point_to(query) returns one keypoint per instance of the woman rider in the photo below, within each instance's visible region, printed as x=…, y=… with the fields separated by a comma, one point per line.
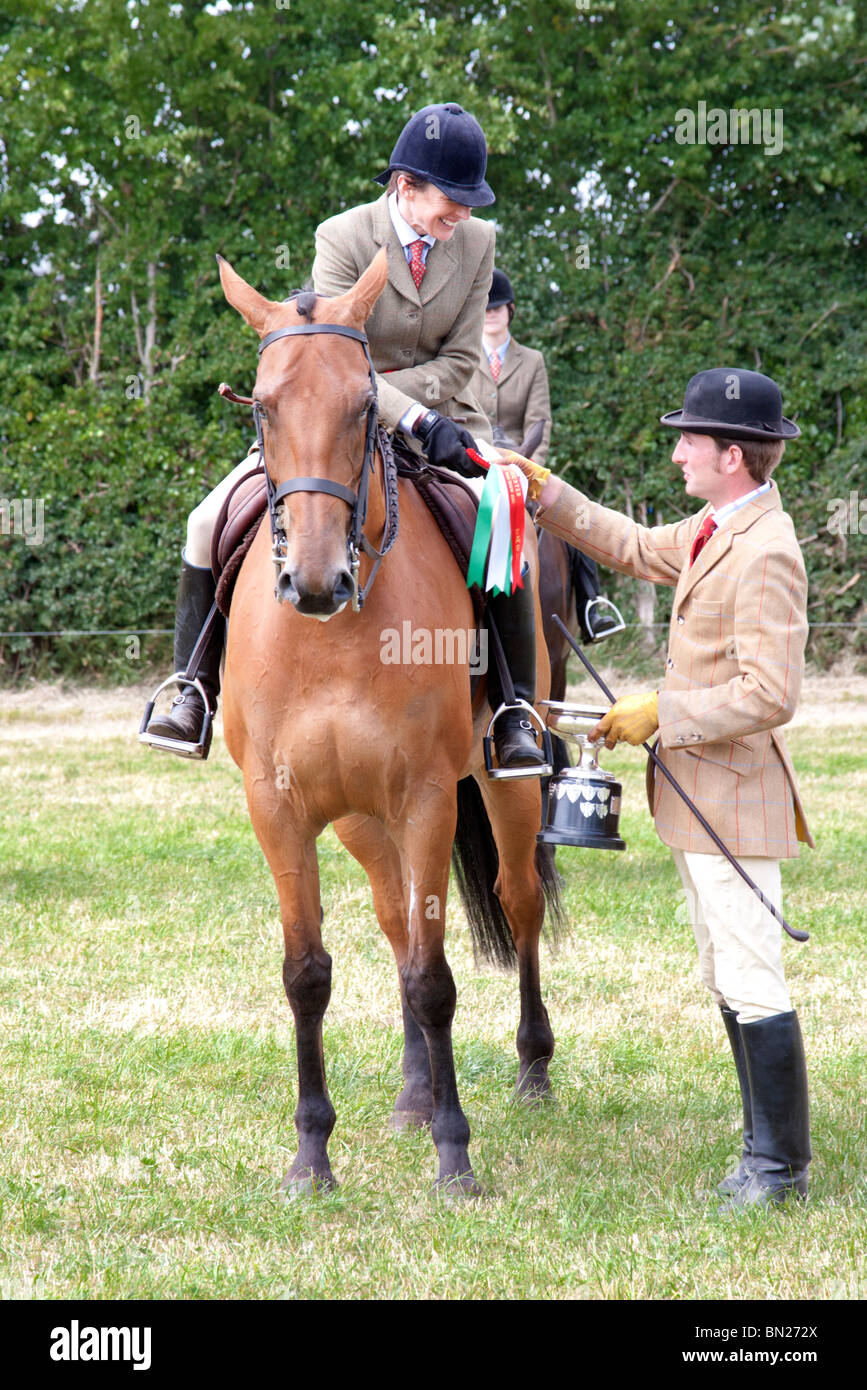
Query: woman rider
x=424, y=334
x=511, y=381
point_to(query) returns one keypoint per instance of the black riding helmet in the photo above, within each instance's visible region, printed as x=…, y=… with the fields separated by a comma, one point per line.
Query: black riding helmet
x=501, y=291
x=445, y=145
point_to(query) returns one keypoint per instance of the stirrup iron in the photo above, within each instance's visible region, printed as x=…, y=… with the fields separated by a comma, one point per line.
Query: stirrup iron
x=545, y=769
x=184, y=748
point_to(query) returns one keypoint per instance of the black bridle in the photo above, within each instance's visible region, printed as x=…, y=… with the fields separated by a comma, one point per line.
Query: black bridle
x=357, y=501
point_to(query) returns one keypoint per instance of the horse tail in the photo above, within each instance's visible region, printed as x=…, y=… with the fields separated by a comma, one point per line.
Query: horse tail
x=476, y=863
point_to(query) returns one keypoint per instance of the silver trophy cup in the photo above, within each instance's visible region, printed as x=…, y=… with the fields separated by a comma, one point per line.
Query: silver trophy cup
x=583, y=804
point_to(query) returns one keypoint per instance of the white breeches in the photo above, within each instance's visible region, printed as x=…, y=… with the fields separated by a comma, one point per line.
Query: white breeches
x=739, y=943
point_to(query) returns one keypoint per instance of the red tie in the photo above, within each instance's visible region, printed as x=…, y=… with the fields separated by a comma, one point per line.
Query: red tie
x=496, y=364
x=416, y=265
x=705, y=531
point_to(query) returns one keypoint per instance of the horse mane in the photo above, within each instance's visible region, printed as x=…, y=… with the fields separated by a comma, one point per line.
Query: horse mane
x=304, y=303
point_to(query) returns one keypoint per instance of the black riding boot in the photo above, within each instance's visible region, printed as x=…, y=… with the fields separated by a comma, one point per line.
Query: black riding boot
x=514, y=737
x=777, y=1071
x=183, y=723
x=743, y=1171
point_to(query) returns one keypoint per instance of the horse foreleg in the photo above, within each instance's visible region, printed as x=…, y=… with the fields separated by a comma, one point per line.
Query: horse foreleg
x=307, y=981
x=370, y=843
x=514, y=810
x=425, y=841
x=290, y=849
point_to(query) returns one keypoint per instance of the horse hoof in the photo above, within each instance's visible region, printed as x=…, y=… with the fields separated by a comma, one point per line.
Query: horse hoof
x=307, y=1184
x=533, y=1090
x=457, y=1187
x=535, y=1095
x=402, y=1120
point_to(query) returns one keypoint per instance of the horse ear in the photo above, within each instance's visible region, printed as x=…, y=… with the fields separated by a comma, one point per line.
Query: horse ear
x=356, y=305
x=250, y=304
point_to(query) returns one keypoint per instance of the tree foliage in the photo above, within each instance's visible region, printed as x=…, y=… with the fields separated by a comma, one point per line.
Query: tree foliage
x=141, y=137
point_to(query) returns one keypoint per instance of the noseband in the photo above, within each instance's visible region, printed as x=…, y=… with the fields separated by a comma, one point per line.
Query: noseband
x=357, y=501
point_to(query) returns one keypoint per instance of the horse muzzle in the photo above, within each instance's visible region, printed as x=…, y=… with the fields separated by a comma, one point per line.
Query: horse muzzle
x=313, y=601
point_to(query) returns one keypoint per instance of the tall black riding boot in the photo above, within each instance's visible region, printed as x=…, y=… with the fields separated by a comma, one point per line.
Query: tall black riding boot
x=743, y=1171
x=777, y=1071
x=515, y=621
x=183, y=723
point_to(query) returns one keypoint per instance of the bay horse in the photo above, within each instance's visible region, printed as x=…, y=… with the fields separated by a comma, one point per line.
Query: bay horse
x=325, y=732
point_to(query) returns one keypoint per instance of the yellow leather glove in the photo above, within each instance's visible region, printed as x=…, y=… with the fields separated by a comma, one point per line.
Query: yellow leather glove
x=537, y=475
x=633, y=719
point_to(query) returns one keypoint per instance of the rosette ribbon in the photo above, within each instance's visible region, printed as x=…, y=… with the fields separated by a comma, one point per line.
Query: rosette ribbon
x=498, y=540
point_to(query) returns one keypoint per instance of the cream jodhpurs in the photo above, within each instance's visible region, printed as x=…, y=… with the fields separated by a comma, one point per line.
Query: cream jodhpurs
x=739, y=943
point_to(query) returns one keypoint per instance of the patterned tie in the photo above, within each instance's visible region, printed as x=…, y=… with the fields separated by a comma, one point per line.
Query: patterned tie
x=417, y=265
x=705, y=531
x=496, y=364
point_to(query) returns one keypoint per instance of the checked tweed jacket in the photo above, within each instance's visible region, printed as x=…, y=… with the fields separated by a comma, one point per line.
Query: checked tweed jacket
x=733, y=671
x=519, y=397
x=424, y=343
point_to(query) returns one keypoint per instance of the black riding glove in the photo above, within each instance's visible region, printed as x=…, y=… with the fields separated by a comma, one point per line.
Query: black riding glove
x=446, y=444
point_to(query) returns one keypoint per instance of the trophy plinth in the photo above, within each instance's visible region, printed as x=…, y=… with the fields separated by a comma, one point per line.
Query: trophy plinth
x=583, y=801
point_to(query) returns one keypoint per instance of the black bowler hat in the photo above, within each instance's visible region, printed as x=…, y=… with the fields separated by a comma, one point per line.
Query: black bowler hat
x=501, y=291
x=445, y=145
x=735, y=403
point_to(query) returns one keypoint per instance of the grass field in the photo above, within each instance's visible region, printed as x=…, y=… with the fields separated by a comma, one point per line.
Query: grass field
x=148, y=1070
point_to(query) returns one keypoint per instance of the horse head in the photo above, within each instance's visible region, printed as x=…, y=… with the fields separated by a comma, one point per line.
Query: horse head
x=315, y=453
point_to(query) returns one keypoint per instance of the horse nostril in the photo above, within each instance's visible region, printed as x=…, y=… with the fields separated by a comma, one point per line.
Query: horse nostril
x=343, y=589
x=285, y=586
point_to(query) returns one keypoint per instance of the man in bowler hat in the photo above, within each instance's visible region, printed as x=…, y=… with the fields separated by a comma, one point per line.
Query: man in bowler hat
x=732, y=677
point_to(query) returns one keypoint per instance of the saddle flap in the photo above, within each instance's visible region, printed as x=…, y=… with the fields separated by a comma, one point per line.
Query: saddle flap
x=243, y=508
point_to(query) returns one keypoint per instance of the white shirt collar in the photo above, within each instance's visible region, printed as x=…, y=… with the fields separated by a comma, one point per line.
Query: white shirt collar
x=724, y=513
x=500, y=351
x=405, y=233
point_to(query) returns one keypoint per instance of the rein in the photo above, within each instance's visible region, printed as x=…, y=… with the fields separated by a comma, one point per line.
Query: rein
x=375, y=434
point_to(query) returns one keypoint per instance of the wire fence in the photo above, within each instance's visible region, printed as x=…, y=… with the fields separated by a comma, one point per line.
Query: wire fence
x=98, y=632
x=168, y=632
